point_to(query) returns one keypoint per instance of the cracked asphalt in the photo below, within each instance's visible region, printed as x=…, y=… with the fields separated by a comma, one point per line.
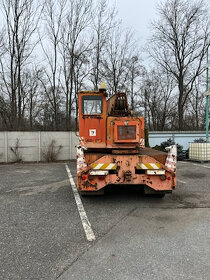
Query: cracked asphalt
x=41, y=234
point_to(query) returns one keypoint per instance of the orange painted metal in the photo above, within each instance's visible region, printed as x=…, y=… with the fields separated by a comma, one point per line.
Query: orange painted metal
x=92, y=157
x=111, y=134
x=112, y=125
x=158, y=155
x=94, y=122
x=126, y=132
x=126, y=164
x=119, y=99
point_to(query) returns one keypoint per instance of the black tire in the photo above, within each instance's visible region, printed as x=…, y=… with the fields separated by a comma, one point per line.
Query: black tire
x=148, y=192
x=91, y=193
x=155, y=195
x=159, y=195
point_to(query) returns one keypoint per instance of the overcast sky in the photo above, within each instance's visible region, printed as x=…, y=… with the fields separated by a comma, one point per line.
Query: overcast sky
x=138, y=15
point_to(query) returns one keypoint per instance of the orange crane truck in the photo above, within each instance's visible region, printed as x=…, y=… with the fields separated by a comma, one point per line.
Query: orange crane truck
x=112, y=148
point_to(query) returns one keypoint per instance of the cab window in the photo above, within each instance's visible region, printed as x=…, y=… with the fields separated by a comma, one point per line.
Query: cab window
x=92, y=105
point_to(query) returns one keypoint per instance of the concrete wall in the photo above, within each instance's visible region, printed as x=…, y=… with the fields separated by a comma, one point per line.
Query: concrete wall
x=33, y=144
x=179, y=137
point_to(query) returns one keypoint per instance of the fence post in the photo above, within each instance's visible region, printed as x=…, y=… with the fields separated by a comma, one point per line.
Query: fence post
x=6, y=146
x=70, y=150
x=173, y=137
x=39, y=147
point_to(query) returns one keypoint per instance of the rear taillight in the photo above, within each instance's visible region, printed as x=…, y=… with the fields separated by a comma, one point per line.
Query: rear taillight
x=84, y=177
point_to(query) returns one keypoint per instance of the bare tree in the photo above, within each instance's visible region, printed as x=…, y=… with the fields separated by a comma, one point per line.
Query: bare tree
x=54, y=14
x=196, y=105
x=158, y=98
x=75, y=44
x=32, y=88
x=179, y=44
x=81, y=72
x=134, y=79
x=118, y=52
x=104, y=22
x=4, y=104
x=1, y=42
x=21, y=23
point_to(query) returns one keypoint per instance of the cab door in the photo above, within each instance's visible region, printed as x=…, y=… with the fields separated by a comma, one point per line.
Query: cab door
x=92, y=119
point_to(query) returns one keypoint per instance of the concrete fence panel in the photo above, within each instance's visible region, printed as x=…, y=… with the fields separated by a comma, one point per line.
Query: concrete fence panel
x=32, y=144
x=60, y=140
x=3, y=156
x=26, y=144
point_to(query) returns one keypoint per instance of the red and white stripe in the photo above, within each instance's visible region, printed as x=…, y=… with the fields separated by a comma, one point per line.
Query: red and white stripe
x=171, y=157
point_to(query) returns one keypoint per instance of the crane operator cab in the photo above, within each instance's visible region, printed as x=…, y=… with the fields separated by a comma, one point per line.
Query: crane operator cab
x=108, y=123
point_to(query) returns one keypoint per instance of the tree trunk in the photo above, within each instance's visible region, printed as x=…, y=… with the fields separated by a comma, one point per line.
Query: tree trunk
x=181, y=115
x=180, y=103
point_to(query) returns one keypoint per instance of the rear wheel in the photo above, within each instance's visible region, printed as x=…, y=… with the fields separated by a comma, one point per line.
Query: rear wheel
x=148, y=192
x=159, y=195
x=156, y=195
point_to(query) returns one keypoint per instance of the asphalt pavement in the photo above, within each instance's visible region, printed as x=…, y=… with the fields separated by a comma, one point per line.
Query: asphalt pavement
x=42, y=236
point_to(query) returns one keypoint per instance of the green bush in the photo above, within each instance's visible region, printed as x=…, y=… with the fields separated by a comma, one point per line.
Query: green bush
x=200, y=140
x=180, y=152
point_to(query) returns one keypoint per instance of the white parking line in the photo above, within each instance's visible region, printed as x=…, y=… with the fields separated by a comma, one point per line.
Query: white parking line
x=181, y=181
x=206, y=166
x=187, y=162
x=196, y=164
x=85, y=222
